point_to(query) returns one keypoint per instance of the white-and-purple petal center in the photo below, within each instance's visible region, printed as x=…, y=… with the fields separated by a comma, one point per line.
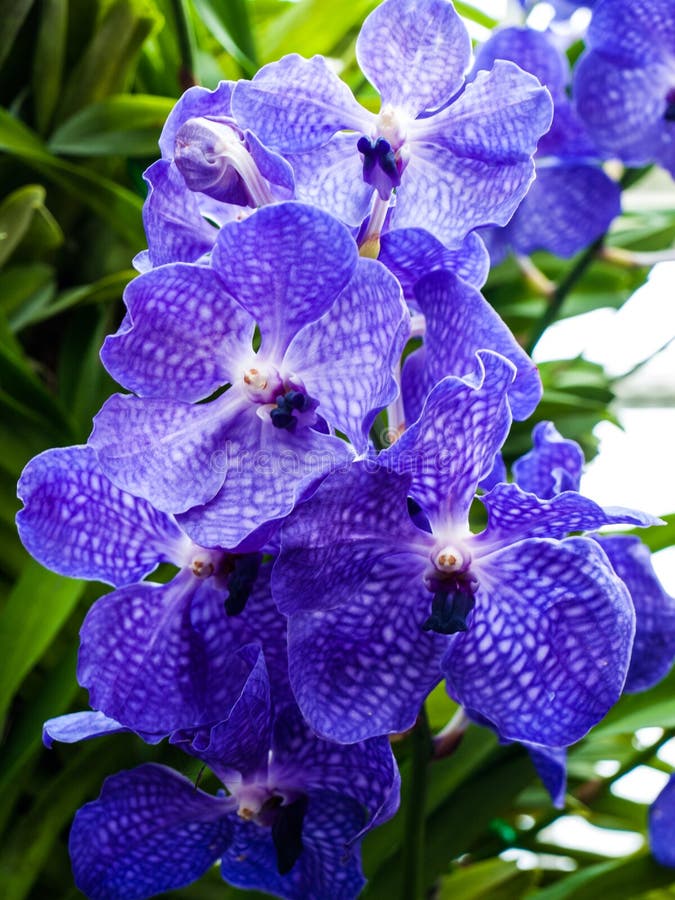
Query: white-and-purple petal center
x=283, y=398
x=453, y=585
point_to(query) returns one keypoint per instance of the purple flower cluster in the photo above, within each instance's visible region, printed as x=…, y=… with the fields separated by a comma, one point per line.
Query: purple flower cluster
x=323, y=585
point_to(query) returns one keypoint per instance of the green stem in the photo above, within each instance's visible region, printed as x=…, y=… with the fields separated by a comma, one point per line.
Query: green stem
x=186, y=74
x=561, y=291
x=564, y=288
x=412, y=887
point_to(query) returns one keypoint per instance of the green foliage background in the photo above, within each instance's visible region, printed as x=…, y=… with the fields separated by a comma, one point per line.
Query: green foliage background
x=85, y=86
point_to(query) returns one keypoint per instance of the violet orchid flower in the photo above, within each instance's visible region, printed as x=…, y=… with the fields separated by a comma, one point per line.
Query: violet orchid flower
x=531, y=630
x=291, y=823
x=624, y=84
x=154, y=657
x=456, y=156
x=572, y=201
x=332, y=328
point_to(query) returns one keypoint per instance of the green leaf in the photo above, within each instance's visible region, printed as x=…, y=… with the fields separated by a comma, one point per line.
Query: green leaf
x=312, y=26
x=26, y=849
x=469, y=11
x=462, y=816
x=107, y=60
x=12, y=16
x=48, y=60
x=16, y=213
x=105, y=290
x=658, y=537
x=623, y=879
x=229, y=23
x=654, y=707
x=36, y=609
x=113, y=203
x=492, y=879
x=58, y=690
x=83, y=382
x=444, y=777
x=127, y=124
x=17, y=376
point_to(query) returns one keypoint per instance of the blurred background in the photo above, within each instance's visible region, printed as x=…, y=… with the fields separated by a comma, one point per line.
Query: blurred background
x=85, y=86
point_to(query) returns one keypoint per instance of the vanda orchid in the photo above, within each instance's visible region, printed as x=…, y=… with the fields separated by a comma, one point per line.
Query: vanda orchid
x=351, y=562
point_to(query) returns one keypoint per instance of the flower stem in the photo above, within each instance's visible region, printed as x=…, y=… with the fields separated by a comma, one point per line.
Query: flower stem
x=412, y=886
x=559, y=294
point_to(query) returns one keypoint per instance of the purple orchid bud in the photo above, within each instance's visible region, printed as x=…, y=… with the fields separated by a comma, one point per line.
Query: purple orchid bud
x=213, y=158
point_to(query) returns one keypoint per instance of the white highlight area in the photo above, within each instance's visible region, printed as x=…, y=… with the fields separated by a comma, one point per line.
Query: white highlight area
x=575, y=833
x=641, y=785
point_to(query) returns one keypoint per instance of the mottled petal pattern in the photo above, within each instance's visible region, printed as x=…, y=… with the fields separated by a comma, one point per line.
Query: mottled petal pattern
x=547, y=651
x=499, y=118
x=286, y=265
x=633, y=125
x=166, y=451
x=239, y=745
x=162, y=657
x=172, y=218
x=330, y=543
x=183, y=337
x=325, y=867
x=321, y=175
x=348, y=358
x=296, y=104
x=76, y=522
x=411, y=253
x=514, y=515
x=553, y=465
x=365, y=771
x=567, y=207
x=364, y=668
x=268, y=472
x=654, y=648
x=150, y=830
x=532, y=50
x=460, y=322
x=452, y=445
x=451, y=195
x=415, y=52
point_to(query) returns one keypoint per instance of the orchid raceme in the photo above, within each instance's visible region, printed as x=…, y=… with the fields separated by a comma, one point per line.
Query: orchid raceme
x=328, y=549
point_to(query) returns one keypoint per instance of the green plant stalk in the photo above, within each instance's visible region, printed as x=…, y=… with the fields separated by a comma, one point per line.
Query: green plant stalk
x=186, y=74
x=564, y=287
x=412, y=885
x=559, y=295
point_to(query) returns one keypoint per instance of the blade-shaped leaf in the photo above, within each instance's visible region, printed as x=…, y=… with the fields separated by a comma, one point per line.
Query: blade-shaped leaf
x=36, y=608
x=127, y=124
